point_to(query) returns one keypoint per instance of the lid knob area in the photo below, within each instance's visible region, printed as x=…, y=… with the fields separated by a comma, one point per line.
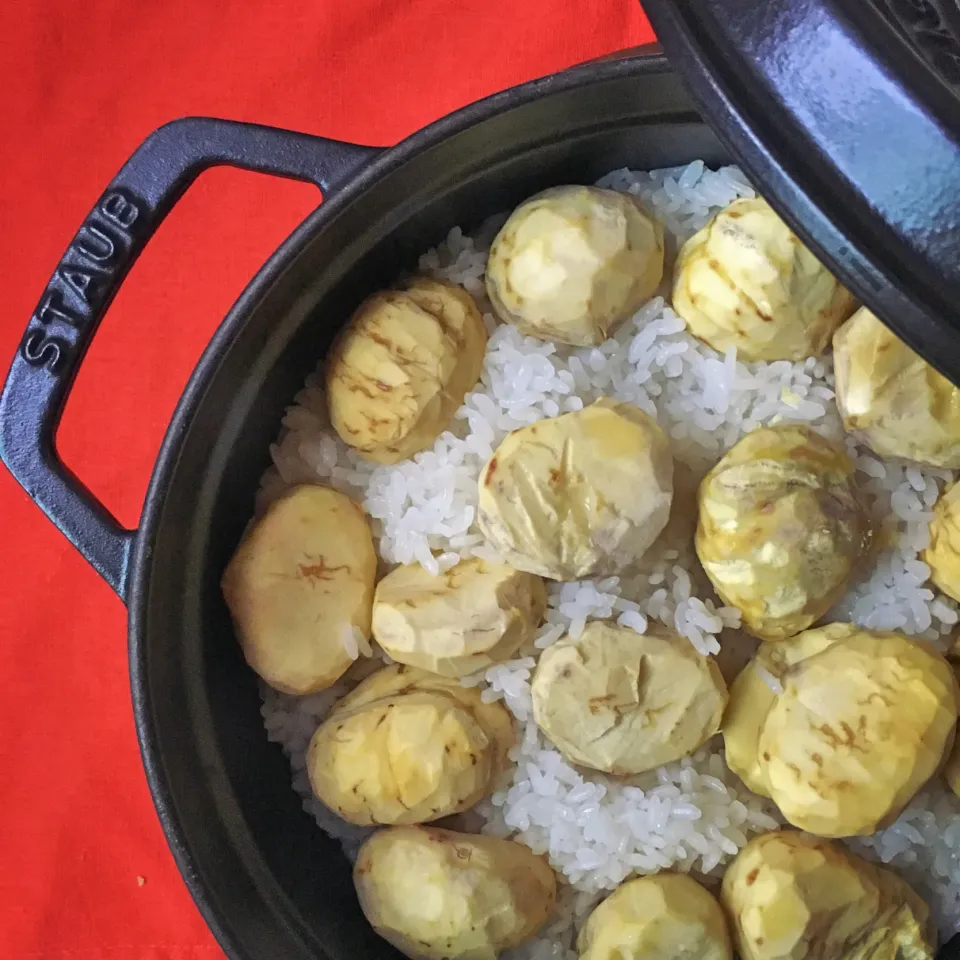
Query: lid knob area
x=846, y=115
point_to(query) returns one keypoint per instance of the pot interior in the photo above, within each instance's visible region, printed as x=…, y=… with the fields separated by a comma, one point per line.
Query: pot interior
x=270, y=883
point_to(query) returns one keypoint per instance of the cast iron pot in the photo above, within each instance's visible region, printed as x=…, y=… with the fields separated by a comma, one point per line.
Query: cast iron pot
x=269, y=883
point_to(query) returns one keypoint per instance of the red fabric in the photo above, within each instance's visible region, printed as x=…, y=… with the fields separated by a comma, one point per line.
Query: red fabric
x=85, y=873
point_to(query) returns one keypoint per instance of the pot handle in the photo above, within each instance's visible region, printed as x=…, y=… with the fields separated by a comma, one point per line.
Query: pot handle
x=85, y=283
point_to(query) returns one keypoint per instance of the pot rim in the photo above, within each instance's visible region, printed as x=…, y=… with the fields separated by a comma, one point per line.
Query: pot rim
x=648, y=61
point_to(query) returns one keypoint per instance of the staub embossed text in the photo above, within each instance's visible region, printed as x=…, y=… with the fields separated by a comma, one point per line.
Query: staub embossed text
x=84, y=280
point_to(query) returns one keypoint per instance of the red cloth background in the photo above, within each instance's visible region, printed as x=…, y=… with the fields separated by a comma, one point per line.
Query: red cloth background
x=85, y=873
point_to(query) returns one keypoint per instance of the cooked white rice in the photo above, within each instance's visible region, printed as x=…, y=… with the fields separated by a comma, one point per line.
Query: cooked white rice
x=693, y=815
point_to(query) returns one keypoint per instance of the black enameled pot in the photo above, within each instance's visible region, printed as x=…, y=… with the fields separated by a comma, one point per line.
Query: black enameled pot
x=269, y=883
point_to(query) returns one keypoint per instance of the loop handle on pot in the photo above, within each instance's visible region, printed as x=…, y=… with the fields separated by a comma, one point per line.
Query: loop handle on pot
x=88, y=278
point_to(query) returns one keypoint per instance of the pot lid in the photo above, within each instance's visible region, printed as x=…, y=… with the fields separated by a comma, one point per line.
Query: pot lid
x=846, y=115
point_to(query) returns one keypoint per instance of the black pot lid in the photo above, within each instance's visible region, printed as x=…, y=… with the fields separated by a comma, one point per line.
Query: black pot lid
x=846, y=115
